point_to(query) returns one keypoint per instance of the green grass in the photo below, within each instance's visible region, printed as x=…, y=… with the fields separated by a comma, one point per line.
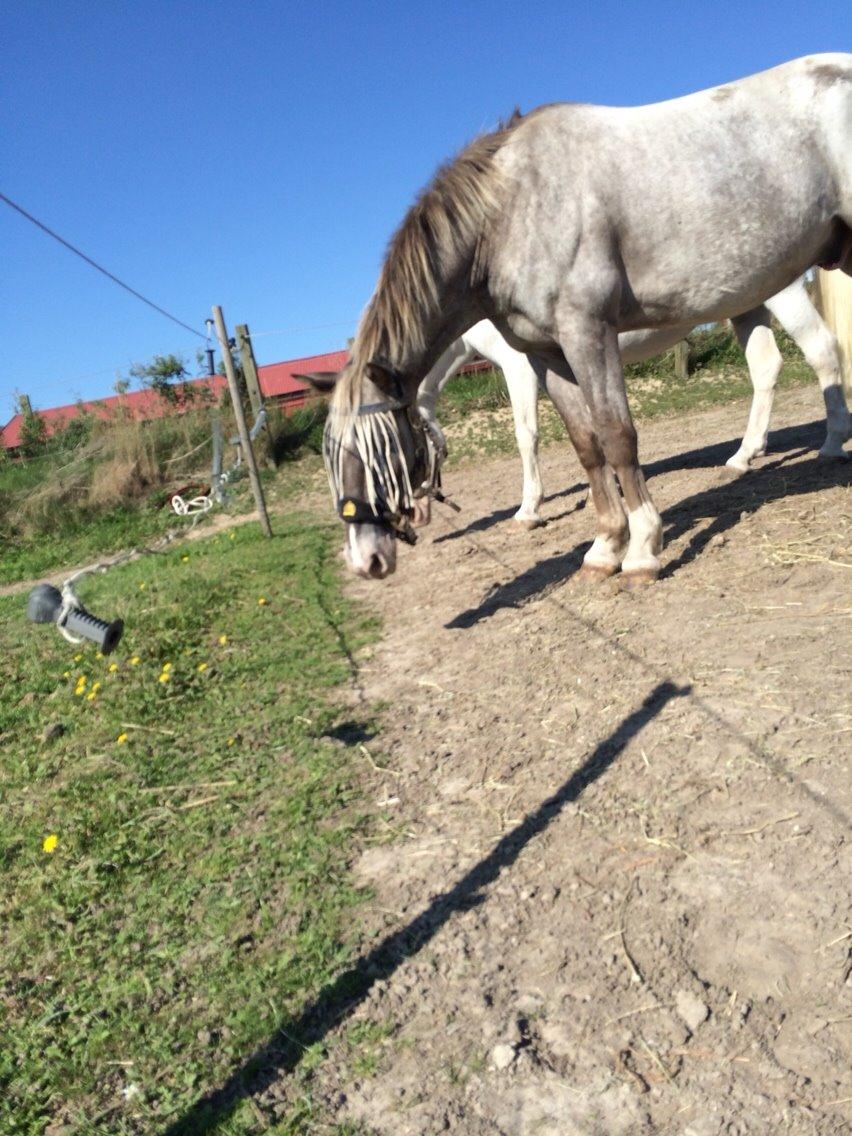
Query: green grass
x=82, y=538
x=89, y=535
x=198, y=896
x=51, y=515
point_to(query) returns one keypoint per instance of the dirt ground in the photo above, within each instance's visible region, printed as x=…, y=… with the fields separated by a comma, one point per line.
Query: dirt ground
x=618, y=896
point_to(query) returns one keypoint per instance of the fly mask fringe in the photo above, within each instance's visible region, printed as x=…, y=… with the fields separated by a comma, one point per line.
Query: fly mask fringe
x=374, y=439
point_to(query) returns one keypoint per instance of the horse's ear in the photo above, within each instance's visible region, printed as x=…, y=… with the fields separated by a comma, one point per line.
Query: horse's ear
x=380, y=372
x=323, y=382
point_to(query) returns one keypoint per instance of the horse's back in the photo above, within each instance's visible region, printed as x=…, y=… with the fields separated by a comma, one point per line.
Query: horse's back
x=698, y=193
x=784, y=93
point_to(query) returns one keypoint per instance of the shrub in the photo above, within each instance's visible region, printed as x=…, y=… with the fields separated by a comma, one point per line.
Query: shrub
x=33, y=433
x=299, y=432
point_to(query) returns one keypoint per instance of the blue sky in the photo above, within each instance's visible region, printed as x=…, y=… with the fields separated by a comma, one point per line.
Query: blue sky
x=259, y=155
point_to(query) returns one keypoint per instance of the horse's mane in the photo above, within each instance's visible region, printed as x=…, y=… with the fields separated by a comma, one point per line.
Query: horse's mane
x=439, y=234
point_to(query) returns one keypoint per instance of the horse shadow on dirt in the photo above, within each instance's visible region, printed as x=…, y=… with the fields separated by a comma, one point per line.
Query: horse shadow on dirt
x=806, y=436
x=723, y=504
x=500, y=515
x=351, y=732
x=283, y=1051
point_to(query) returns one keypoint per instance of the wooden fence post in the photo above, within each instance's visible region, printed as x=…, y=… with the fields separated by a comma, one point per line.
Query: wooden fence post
x=681, y=359
x=245, y=440
x=253, y=387
x=241, y=332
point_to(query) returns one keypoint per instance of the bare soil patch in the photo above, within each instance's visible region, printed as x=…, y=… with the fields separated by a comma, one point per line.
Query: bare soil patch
x=618, y=896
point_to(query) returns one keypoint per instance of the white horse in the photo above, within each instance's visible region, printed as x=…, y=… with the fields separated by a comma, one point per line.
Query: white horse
x=565, y=227
x=793, y=310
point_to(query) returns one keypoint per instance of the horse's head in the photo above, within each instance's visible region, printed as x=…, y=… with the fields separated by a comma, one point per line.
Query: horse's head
x=381, y=464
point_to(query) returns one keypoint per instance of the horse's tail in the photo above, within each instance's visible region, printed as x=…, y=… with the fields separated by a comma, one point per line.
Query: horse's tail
x=834, y=300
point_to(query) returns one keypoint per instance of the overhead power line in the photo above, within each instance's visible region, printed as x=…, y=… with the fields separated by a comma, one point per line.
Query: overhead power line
x=303, y=327
x=99, y=267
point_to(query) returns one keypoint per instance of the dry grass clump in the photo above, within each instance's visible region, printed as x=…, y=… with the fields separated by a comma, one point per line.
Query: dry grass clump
x=128, y=467
x=122, y=463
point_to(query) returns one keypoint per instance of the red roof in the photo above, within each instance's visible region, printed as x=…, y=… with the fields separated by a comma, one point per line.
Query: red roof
x=277, y=379
x=142, y=404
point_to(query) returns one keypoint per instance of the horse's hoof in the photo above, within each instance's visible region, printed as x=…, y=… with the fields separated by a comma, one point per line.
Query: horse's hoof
x=833, y=455
x=638, y=578
x=529, y=523
x=596, y=573
x=732, y=469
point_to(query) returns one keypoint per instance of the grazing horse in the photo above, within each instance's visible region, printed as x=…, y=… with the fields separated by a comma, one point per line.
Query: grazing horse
x=793, y=310
x=565, y=227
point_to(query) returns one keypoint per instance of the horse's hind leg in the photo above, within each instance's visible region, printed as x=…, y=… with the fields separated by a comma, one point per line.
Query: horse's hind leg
x=755, y=336
x=604, y=557
x=800, y=319
x=591, y=348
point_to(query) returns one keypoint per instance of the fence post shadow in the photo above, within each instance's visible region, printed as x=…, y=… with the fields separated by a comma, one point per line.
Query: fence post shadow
x=283, y=1051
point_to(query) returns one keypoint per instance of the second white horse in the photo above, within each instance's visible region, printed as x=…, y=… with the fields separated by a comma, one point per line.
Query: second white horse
x=792, y=308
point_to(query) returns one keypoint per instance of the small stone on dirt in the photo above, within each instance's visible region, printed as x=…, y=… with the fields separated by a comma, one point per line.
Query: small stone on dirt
x=503, y=1055
x=54, y=730
x=691, y=1009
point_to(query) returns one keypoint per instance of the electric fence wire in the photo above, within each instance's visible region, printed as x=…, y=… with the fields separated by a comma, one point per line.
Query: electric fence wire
x=110, y=276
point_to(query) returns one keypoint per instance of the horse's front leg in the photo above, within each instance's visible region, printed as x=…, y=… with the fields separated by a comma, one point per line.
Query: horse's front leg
x=591, y=347
x=448, y=365
x=522, y=384
x=608, y=548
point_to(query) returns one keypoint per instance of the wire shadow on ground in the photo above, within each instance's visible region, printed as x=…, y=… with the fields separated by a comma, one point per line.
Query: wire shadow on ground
x=283, y=1051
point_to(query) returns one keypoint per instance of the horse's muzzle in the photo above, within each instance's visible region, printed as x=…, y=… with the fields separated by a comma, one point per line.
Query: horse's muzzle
x=370, y=551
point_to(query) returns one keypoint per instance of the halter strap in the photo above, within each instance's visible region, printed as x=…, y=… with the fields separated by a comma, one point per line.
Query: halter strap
x=378, y=407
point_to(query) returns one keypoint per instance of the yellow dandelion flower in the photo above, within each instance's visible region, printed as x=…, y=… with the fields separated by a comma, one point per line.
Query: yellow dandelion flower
x=167, y=666
x=231, y=536
x=49, y=843
x=184, y=559
x=142, y=586
x=223, y=639
x=66, y=674
x=134, y=662
x=91, y=696
x=121, y=739
x=113, y=667
x=202, y=666
x=77, y=658
x=231, y=741
x=96, y=686
x=262, y=600
x=164, y=677
x=98, y=655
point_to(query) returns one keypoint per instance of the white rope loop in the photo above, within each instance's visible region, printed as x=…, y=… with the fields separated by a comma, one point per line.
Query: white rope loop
x=196, y=506
x=70, y=603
